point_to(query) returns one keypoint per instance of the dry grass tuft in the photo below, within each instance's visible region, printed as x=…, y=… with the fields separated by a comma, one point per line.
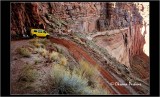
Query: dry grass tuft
x=67, y=82
x=24, y=52
x=59, y=58
x=44, y=41
x=44, y=53
x=37, y=45
x=37, y=42
x=54, y=56
x=41, y=51
x=28, y=73
x=63, y=60
x=86, y=70
x=37, y=61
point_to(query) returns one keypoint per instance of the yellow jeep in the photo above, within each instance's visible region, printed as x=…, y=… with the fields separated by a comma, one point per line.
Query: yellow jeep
x=39, y=33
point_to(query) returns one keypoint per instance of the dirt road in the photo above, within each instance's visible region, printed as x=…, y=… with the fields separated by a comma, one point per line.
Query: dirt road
x=80, y=53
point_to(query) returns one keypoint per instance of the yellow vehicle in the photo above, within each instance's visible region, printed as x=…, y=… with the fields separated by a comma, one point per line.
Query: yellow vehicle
x=39, y=33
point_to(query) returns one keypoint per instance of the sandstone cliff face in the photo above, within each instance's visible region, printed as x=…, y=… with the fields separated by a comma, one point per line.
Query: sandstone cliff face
x=112, y=35
x=86, y=17
x=82, y=17
x=127, y=41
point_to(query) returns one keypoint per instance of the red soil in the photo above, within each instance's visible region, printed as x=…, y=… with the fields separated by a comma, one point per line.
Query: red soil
x=80, y=53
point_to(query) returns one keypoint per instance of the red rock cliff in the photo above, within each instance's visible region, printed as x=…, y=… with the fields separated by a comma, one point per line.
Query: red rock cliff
x=86, y=17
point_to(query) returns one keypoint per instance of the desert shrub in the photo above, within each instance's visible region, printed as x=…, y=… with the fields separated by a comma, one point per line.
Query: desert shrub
x=67, y=82
x=28, y=73
x=59, y=58
x=37, y=42
x=63, y=60
x=54, y=56
x=25, y=87
x=37, y=45
x=24, y=52
x=36, y=61
x=44, y=53
x=38, y=50
x=44, y=41
x=86, y=70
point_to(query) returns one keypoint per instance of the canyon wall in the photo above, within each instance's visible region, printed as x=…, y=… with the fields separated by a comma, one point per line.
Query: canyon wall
x=79, y=16
x=128, y=39
x=84, y=17
x=122, y=23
